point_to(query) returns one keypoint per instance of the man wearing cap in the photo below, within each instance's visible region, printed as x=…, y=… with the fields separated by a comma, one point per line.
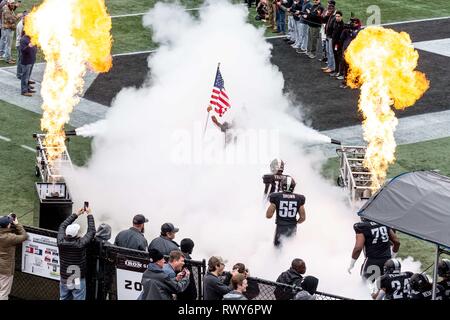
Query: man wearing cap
x=157, y=284
x=213, y=287
x=12, y=234
x=133, y=238
x=164, y=243
x=72, y=252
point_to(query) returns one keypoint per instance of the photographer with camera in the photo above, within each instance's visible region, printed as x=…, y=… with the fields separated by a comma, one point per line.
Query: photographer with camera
x=9, y=21
x=157, y=284
x=72, y=252
x=12, y=234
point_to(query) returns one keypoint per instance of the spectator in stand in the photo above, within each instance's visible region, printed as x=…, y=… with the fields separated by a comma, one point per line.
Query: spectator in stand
x=291, y=22
x=133, y=238
x=281, y=16
x=213, y=286
x=294, y=12
x=9, y=21
x=164, y=243
x=72, y=256
x=303, y=27
x=3, y=3
x=190, y=294
x=444, y=273
x=348, y=34
x=157, y=284
x=328, y=20
x=314, y=21
x=337, y=27
x=27, y=59
x=261, y=10
x=309, y=286
x=292, y=277
x=239, y=285
x=12, y=234
x=175, y=264
x=252, y=286
x=19, y=29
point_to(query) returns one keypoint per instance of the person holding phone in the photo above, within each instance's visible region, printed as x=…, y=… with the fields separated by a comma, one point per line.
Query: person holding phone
x=12, y=234
x=72, y=251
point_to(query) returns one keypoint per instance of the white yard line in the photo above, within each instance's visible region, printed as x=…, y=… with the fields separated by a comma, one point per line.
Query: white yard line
x=5, y=138
x=28, y=148
x=413, y=21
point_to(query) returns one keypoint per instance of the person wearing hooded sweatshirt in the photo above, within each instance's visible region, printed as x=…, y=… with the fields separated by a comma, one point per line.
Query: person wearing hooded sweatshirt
x=12, y=234
x=190, y=294
x=309, y=286
x=157, y=284
x=72, y=253
x=292, y=277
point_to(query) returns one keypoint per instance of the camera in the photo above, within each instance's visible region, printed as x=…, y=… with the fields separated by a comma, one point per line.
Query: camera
x=13, y=216
x=86, y=205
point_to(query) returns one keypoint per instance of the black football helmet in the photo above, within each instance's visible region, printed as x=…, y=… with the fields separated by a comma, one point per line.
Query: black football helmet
x=277, y=166
x=444, y=268
x=419, y=282
x=392, y=266
x=288, y=184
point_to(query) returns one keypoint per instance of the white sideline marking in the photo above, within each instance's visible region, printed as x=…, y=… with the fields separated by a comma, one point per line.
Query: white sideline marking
x=441, y=46
x=144, y=13
x=5, y=138
x=28, y=148
x=412, y=21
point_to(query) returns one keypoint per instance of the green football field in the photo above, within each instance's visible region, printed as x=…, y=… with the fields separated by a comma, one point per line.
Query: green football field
x=130, y=36
x=17, y=163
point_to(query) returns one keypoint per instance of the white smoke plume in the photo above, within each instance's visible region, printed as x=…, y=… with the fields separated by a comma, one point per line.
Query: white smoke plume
x=150, y=156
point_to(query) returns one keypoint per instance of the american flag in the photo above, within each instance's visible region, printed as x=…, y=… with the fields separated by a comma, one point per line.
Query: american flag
x=219, y=98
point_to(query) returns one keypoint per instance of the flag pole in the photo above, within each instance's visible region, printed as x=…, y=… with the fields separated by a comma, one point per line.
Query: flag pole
x=206, y=124
x=207, y=115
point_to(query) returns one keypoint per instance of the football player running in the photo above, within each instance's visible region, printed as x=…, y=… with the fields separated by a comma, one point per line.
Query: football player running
x=394, y=284
x=375, y=240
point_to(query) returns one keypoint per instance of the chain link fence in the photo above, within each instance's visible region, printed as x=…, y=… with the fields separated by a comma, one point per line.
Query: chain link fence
x=106, y=261
x=267, y=290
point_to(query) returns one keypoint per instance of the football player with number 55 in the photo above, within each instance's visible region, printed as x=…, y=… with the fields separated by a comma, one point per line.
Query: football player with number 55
x=287, y=205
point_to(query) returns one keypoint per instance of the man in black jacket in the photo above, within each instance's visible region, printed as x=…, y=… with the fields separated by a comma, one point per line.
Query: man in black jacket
x=158, y=285
x=133, y=238
x=190, y=294
x=27, y=60
x=314, y=20
x=165, y=242
x=213, y=287
x=72, y=255
x=336, y=32
x=293, y=276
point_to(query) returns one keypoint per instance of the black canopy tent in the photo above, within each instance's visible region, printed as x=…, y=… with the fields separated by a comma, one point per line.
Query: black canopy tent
x=416, y=203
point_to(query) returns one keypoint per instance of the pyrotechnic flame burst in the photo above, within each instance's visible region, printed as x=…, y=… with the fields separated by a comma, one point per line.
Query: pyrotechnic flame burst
x=73, y=35
x=382, y=63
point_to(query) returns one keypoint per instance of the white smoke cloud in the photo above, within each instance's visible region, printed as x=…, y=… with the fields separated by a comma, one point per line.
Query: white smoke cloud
x=135, y=169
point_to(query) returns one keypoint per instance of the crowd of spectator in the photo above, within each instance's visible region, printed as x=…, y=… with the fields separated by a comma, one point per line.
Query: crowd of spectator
x=314, y=30
x=13, y=22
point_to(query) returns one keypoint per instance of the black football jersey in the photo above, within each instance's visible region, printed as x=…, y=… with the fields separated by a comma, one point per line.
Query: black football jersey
x=287, y=204
x=446, y=287
x=377, y=244
x=427, y=295
x=396, y=285
x=273, y=182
